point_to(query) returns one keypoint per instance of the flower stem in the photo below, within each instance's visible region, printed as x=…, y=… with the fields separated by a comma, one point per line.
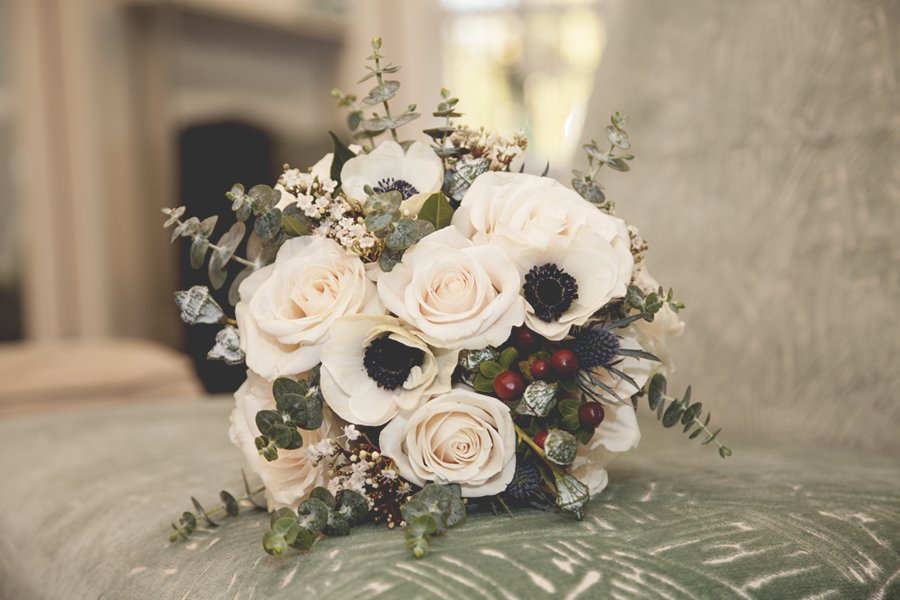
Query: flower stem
x=538, y=450
x=387, y=108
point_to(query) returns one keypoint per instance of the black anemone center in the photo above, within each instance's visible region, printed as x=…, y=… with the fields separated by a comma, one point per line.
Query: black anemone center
x=550, y=291
x=389, y=184
x=388, y=362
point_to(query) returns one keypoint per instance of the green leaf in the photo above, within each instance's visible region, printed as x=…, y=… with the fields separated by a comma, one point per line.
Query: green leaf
x=656, y=390
x=634, y=297
x=313, y=514
x=589, y=190
x=568, y=408
x=491, y=369
x=672, y=414
x=285, y=436
x=188, y=521
x=337, y=525
x=353, y=506
x=262, y=198
x=618, y=164
x=228, y=243
x=571, y=495
x=379, y=223
x=653, y=303
x=483, y=385
x=202, y=511
x=341, y=155
x=304, y=540
x=267, y=419
x=437, y=210
x=407, y=232
x=207, y=225
x=560, y=447
x=382, y=93
x=389, y=259
x=538, y=399
x=274, y=543
x=508, y=357
x=198, y=251
x=268, y=224
x=284, y=386
x=232, y=508
x=323, y=495
x=287, y=527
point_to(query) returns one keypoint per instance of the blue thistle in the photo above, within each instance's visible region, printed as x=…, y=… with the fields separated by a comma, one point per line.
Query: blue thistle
x=595, y=347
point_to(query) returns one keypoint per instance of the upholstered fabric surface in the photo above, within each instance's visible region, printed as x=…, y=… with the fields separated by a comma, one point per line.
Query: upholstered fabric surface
x=88, y=493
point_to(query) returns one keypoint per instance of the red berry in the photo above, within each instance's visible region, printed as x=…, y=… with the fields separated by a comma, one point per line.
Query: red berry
x=540, y=369
x=525, y=339
x=509, y=385
x=590, y=414
x=540, y=437
x=564, y=362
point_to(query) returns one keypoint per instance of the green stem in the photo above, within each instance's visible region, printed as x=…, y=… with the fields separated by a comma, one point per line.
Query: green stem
x=709, y=435
x=387, y=108
x=539, y=451
x=218, y=509
x=237, y=259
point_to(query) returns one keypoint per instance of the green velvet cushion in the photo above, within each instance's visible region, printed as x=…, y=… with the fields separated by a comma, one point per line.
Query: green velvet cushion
x=87, y=496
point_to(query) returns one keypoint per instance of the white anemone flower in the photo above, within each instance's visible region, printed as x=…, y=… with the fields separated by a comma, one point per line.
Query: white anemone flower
x=416, y=173
x=373, y=368
x=568, y=280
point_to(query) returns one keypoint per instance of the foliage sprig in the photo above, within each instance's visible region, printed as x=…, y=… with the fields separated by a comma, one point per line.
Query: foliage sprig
x=322, y=514
x=431, y=512
x=298, y=405
x=585, y=183
x=230, y=505
x=671, y=411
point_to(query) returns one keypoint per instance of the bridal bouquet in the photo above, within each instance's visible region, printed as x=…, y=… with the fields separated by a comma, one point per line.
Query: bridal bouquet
x=428, y=329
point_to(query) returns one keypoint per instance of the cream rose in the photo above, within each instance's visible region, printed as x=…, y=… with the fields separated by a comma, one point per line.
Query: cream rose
x=290, y=477
x=618, y=433
x=287, y=308
x=416, y=173
x=519, y=211
x=458, y=437
x=453, y=293
x=373, y=368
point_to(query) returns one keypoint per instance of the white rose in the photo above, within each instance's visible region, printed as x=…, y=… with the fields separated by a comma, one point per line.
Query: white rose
x=519, y=211
x=569, y=279
x=287, y=308
x=654, y=335
x=458, y=437
x=416, y=173
x=455, y=294
x=618, y=433
x=373, y=368
x=290, y=477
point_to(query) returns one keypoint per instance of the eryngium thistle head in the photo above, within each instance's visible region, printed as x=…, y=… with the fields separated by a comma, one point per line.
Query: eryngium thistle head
x=526, y=481
x=595, y=347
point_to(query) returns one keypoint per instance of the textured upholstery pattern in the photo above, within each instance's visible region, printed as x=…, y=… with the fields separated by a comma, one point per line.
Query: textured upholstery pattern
x=779, y=523
x=767, y=180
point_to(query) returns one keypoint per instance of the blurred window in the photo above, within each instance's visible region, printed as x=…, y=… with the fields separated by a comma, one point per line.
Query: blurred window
x=525, y=63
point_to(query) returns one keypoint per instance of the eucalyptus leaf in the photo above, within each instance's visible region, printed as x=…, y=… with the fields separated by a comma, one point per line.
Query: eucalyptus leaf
x=382, y=93
x=313, y=514
x=198, y=306
x=268, y=224
x=353, y=506
x=174, y=214
x=589, y=190
x=323, y=495
x=263, y=198
x=227, y=347
x=199, y=246
x=337, y=525
x=232, y=508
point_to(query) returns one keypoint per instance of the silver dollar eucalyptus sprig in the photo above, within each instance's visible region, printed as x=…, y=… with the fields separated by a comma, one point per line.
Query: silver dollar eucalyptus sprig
x=672, y=411
x=322, y=514
x=586, y=183
x=382, y=93
x=431, y=512
x=230, y=505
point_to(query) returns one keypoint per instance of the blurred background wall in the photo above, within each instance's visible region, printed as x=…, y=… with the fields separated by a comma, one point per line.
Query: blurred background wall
x=767, y=175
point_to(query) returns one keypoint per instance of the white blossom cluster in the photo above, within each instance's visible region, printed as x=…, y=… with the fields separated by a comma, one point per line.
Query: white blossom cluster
x=333, y=215
x=500, y=150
